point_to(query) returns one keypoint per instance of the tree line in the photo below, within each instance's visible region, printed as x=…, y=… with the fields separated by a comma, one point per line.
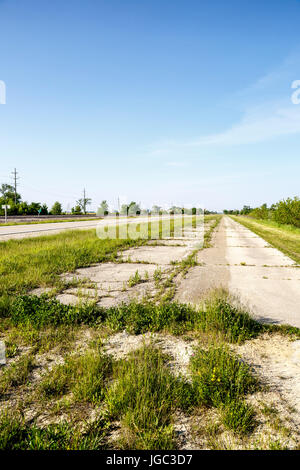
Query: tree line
x=9, y=197
x=17, y=206
x=286, y=211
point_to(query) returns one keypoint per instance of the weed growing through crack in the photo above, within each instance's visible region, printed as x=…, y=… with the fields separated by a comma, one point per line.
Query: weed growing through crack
x=135, y=279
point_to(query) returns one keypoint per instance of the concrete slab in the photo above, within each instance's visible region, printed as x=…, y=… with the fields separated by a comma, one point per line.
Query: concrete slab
x=269, y=285
x=162, y=255
x=114, y=272
x=272, y=293
x=199, y=280
x=257, y=256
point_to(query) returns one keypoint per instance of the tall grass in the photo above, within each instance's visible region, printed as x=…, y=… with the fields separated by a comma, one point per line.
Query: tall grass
x=83, y=375
x=15, y=434
x=214, y=316
x=144, y=395
x=221, y=380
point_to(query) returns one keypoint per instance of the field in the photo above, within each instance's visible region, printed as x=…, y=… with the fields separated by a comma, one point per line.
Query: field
x=101, y=354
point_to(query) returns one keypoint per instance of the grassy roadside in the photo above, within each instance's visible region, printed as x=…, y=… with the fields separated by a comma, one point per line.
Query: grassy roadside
x=50, y=221
x=34, y=262
x=87, y=399
x=284, y=237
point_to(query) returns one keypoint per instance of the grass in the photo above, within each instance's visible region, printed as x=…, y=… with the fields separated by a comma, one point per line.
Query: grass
x=135, y=279
x=40, y=340
x=16, y=374
x=216, y=315
x=144, y=396
x=140, y=391
x=29, y=263
x=284, y=237
x=220, y=378
x=50, y=221
x=15, y=434
x=239, y=417
x=38, y=262
x=222, y=381
x=85, y=376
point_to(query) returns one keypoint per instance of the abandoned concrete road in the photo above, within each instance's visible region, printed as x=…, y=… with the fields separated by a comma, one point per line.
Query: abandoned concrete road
x=265, y=280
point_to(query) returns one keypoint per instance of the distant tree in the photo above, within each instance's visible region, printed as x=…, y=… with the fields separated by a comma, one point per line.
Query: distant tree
x=8, y=193
x=23, y=208
x=34, y=207
x=131, y=209
x=246, y=210
x=56, y=208
x=76, y=210
x=44, y=209
x=83, y=202
x=155, y=209
x=103, y=208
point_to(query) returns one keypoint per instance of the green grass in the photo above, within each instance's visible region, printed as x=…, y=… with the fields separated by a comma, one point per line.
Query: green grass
x=134, y=279
x=85, y=376
x=17, y=374
x=215, y=315
x=284, y=237
x=40, y=340
x=38, y=262
x=50, y=221
x=144, y=396
x=239, y=417
x=29, y=263
x=220, y=377
x=221, y=380
x=15, y=434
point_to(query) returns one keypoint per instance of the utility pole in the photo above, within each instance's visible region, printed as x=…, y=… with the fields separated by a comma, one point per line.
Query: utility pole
x=84, y=201
x=16, y=178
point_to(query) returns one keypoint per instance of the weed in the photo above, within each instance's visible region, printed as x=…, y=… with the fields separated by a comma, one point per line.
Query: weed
x=135, y=279
x=85, y=376
x=220, y=377
x=17, y=374
x=144, y=395
x=239, y=417
x=15, y=434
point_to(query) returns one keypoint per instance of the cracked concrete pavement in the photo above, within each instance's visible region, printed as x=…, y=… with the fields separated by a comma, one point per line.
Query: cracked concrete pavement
x=266, y=281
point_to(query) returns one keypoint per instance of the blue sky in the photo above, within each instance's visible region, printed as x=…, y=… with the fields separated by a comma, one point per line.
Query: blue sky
x=183, y=102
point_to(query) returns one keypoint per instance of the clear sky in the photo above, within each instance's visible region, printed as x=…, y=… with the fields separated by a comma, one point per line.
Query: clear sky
x=168, y=101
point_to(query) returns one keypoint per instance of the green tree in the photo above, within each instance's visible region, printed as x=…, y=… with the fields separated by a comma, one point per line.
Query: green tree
x=76, y=210
x=56, y=208
x=83, y=202
x=34, y=207
x=8, y=193
x=103, y=208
